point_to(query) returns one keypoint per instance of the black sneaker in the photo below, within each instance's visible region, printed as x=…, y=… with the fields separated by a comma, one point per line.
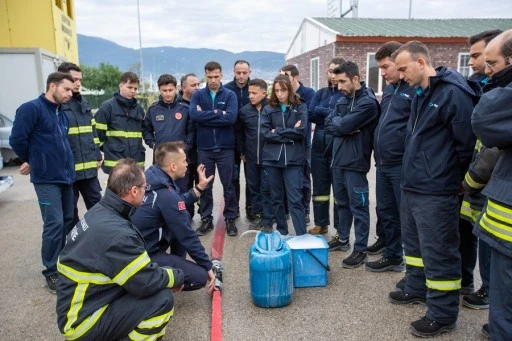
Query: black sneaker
x=355, y=260
x=337, y=244
x=429, y=328
x=378, y=247
x=486, y=331
x=386, y=264
x=400, y=285
x=206, y=226
x=249, y=214
x=51, y=283
x=231, y=228
x=477, y=300
x=401, y=297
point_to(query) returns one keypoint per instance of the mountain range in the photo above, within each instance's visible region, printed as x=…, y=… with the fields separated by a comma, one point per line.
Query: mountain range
x=174, y=60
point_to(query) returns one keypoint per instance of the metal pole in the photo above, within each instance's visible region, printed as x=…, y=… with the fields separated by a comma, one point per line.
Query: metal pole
x=410, y=8
x=140, y=50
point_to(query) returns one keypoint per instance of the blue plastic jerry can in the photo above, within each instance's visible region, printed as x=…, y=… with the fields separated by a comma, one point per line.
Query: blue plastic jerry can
x=270, y=271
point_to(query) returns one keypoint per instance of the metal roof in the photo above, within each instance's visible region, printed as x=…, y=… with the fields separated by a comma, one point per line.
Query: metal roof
x=434, y=28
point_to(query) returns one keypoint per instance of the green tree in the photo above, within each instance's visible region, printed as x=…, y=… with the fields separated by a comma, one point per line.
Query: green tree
x=104, y=77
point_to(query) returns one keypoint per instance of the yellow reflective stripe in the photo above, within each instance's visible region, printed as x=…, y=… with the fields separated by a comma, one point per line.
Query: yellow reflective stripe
x=472, y=183
x=156, y=321
x=112, y=163
x=125, y=134
x=97, y=140
x=414, y=261
x=321, y=198
x=80, y=130
x=136, y=336
x=85, y=165
x=478, y=145
x=170, y=273
x=86, y=325
x=504, y=212
x=495, y=228
x=469, y=212
x=132, y=268
x=93, y=121
x=72, y=315
x=83, y=277
x=101, y=126
x=444, y=285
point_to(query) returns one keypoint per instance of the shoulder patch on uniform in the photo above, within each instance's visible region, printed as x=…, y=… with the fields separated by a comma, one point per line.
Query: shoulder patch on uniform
x=181, y=205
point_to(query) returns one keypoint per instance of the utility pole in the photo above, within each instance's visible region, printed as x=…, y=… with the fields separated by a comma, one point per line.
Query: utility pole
x=140, y=50
x=410, y=8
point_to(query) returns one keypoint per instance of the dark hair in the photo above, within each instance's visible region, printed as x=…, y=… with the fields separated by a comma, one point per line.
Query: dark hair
x=292, y=68
x=259, y=83
x=166, y=79
x=129, y=77
x=241, y=61
x=184, y=78
x=506, y=48
x=349, y=68
x=486, y=36
x=66, y=67
x=125, y=174
x=166, y=148
x=212, y=66
x=337, y=61
x=386, y=50
x=57, y=78
x=416, y=49
x=284, y=82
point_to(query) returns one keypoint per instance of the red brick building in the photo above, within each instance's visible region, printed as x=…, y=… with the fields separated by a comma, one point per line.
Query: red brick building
x=357, y=39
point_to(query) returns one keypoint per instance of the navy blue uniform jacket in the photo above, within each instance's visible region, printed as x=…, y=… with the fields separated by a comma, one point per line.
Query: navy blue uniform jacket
x=389, y=141
x=285, y=146
x=439, y=140
x=215, y=130
x=39, y=136
x=322, y=104
x=352, y=124
x=164, y=207
x=249, y=137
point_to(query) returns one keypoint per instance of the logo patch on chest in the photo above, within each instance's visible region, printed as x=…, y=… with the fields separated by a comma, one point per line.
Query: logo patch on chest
x=160, y=117
x=178, y=116
x=181, y=205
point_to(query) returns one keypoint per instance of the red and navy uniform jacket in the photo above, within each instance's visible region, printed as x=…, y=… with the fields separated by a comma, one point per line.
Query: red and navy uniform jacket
x=165, y=207
x=168, y=122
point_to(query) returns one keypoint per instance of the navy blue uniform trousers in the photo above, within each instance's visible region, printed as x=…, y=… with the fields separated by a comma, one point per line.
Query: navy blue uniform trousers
x=224, y=159
x=322, y=179
x=292, y=177
x=430, y=233
x=351, y=194
x=91, y=193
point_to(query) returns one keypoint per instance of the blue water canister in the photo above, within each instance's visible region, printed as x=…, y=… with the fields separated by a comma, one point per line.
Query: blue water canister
x=270, y=271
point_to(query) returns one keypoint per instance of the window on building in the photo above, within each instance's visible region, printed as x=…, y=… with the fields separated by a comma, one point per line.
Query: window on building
x=462, y=65
x=373, y=78
x=314, y=73
x=58, y=3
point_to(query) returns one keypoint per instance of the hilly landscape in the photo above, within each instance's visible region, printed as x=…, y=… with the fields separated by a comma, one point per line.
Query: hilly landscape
x=175, y=60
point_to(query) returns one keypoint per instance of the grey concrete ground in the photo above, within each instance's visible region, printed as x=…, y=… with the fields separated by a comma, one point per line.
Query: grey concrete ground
x=353, y=306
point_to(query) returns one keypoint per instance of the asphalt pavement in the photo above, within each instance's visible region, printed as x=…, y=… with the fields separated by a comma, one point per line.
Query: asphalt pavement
x=353, y=306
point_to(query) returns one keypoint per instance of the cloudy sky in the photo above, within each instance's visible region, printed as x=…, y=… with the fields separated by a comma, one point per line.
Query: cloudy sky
x=246, y=25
